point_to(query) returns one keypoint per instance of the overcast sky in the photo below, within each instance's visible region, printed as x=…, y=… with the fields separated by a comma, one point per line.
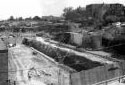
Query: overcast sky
x=27, y=8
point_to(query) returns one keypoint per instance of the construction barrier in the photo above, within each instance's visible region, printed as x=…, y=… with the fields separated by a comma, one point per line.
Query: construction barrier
x=98, y=74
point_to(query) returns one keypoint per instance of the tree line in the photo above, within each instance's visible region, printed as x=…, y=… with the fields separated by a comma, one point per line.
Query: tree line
x=96, y=14
x=11, y=18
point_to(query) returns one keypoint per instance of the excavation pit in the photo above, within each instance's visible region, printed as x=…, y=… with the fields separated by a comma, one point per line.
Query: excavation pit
x=69, y=59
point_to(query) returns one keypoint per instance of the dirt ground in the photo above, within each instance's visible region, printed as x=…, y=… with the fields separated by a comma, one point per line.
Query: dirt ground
x=34, y=68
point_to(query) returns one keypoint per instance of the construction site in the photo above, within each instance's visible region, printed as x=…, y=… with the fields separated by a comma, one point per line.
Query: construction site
x=34, y=60
x=48, y=62
x=38, y=60
x=83, y=68
x=84, y=47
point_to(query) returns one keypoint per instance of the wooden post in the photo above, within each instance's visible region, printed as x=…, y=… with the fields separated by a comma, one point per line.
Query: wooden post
x=14, y=82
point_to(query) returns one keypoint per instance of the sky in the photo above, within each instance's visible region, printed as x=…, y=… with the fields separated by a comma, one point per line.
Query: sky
x=30, y=8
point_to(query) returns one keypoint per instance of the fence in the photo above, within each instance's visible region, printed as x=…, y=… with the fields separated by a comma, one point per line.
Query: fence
x=98, y=74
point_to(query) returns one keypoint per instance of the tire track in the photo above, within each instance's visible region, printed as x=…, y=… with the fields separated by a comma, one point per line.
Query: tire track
x=19, y=72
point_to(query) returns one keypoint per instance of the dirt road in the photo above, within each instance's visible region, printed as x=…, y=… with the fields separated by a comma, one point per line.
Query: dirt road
x=19, y=65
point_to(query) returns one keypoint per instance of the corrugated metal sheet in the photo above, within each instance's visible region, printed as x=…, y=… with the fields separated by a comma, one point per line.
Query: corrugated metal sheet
x=75, y=79
x=82, y=76
x=97, y=74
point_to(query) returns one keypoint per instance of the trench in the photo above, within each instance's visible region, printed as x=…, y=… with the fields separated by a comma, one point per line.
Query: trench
x=71, y=60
